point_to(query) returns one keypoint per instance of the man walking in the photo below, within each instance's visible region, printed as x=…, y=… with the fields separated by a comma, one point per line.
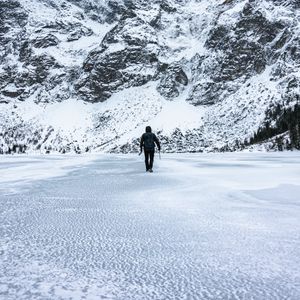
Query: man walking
x=148, y=141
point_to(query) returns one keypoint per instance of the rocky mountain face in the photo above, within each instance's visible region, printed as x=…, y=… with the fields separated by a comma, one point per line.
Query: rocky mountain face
x=207, y=75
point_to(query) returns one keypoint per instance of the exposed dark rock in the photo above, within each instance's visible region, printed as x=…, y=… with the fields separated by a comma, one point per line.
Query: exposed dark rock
x=4, y=79
x=111, y=37
x=167, y=7
x=108, y=72
x=218, y=38
x=98, y=10
x=45, y=41
x=241, y=59
x=290, y=87
x=283, y=38
x=280, y=70
x=292, y=51
x=37, y=70
x=116, y=7
x=131, y=4
x=172, y=82
x=245, y=59
x=25, y=51
x=206, y=93
x=255, y=23
x=113, y=71
x=226, y=2
x=146, y=44
x=12, y=17
x=155, y=22
x=12, y=14
x=63, y=27
x=78, y=33
x=12, y=93
x=293, y=3
x=241, y=51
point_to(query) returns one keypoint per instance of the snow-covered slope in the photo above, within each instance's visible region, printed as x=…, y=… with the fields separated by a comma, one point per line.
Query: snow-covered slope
x=90, y=75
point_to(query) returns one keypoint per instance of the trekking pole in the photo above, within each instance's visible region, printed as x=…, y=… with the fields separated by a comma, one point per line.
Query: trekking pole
x=159, y=154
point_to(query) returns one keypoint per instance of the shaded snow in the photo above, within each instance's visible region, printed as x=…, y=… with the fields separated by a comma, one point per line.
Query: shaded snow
x=21, y=170
x=178, y=114
x=68, y=115
x=221, y=226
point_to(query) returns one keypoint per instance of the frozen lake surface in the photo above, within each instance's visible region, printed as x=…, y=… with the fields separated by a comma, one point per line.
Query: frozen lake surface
x=218, y=226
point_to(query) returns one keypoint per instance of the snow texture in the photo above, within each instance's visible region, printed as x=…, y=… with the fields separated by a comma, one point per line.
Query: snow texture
x=210, y=226
x=202, y=73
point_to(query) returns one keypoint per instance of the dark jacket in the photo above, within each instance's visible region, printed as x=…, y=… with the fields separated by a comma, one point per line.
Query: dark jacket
x=148, y=140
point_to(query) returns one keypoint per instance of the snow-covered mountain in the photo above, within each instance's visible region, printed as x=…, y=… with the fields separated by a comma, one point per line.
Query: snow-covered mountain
x=207, y=75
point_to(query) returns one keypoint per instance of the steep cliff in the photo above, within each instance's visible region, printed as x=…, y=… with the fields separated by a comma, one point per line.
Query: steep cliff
x=207, y=75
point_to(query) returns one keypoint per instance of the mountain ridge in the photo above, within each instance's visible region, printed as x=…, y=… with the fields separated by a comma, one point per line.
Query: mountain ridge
x=207, y=75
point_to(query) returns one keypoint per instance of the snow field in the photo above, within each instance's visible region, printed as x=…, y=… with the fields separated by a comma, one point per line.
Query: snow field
x=217, y=226
x=94, y=124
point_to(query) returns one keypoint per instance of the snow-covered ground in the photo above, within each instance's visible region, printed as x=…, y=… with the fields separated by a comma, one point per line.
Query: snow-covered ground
x=213, y=226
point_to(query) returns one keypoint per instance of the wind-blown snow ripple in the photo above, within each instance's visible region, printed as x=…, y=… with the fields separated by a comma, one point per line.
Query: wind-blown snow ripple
x=188, y=231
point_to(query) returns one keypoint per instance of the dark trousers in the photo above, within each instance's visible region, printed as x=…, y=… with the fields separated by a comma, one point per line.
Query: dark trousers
x=149, y=158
